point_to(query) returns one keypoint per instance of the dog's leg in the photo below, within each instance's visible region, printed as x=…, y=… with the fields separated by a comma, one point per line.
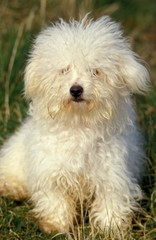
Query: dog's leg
x=12, y=177
x=56, y=211
x=112, y=209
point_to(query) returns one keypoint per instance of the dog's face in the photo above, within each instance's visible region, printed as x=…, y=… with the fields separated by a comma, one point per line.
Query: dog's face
x=82, y=71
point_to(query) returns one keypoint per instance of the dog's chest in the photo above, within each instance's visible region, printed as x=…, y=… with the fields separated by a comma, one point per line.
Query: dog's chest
x=75, y=148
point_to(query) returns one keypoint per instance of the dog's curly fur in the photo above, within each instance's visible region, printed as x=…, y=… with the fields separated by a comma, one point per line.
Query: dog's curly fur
x=80, y=147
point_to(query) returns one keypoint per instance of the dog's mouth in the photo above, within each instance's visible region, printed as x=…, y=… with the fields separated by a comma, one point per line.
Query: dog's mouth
x=78, y=99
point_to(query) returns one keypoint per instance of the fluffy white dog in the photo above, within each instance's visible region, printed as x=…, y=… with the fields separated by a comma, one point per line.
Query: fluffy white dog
x=80, y=147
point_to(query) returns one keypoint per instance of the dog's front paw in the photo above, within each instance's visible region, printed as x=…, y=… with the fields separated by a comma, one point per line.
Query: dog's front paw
x=110, y=217
x=111, y=226
x=55, y=213
x=47, y=227
x=54, y=226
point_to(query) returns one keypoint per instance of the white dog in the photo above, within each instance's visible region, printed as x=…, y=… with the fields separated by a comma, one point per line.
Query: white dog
x=80, y=147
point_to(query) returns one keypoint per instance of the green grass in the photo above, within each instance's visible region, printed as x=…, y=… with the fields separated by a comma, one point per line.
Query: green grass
x=21, y=21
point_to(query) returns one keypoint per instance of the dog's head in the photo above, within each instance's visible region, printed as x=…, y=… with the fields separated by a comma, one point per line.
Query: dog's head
x=83, y=70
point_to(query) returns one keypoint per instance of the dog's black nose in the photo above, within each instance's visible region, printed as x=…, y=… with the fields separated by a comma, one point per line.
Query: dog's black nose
x=76, y=91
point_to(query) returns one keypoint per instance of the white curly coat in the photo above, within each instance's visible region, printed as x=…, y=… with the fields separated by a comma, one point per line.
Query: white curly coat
x=70, y=156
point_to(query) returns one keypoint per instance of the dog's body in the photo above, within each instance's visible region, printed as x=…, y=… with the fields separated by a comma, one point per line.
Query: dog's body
x=80, y=147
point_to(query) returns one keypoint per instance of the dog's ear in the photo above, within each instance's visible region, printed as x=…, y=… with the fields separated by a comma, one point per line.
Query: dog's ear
x=134, y=73
x=31, y=80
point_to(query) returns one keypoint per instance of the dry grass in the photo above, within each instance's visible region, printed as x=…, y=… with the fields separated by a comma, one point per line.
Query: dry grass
x=21, y=20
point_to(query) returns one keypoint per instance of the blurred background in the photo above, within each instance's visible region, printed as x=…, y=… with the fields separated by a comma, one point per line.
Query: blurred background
x=21, y=20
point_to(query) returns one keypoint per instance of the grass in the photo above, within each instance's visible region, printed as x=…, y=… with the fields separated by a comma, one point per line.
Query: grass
x=21, y=20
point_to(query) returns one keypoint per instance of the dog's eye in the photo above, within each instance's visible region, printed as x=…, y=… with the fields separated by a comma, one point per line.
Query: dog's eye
x=95, y=72
x=64, y=71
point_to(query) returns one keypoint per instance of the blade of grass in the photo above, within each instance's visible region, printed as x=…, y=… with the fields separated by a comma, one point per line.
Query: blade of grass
x=10, y=68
